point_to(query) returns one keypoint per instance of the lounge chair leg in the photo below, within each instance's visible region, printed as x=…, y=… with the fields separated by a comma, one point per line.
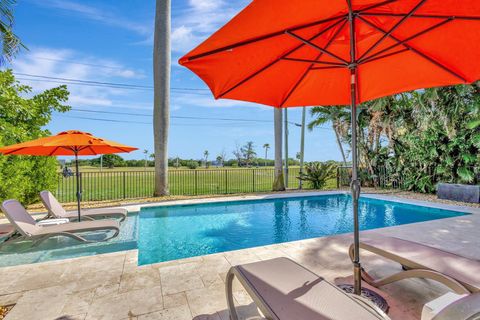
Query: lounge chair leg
x=229, y=292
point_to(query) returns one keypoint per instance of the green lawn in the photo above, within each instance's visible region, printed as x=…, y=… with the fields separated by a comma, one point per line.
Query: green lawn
x=120, y=183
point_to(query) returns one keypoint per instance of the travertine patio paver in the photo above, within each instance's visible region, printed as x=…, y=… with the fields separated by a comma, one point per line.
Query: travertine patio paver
x=113, y=286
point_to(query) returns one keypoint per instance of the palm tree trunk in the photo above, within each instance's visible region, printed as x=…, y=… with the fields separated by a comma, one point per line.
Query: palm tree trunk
x=161, y=102
x=340, y=146
x=279, y=182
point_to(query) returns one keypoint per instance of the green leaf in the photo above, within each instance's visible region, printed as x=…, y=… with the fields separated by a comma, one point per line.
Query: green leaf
x=465, y=174
x=473, y=124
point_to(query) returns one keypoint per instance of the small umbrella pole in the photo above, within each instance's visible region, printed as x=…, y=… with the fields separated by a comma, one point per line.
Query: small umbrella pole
x=79, y=193
x=355, y=185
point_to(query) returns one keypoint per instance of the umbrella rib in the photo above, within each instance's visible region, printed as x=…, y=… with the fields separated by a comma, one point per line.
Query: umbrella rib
x=275, y=61
x=311, y=44
x=418, y=52
x=289, y=94
x=326, y=68
x=393, y=28
x=421, y=16
x=406, y=40
x=315, y=62
x=54, y=150
x=261, y=38
x=12, y=151
x=93, y=151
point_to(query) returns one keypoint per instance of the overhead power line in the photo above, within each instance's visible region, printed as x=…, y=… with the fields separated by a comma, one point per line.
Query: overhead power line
x=150, y=123
x=100, y=83
x=240, y=120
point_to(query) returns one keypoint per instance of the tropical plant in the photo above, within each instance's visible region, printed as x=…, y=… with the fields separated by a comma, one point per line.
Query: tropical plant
x=248, y=152
x=205, y=155
x=318, y=173
x=23, y=117
x=161, y=109
x=11, y=44
x=339, y=119
x=266, y=146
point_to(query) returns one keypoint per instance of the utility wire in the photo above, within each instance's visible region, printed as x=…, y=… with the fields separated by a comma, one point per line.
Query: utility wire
x=72, y=81
x=173, y=117
x=149, y=123
x=114, y=87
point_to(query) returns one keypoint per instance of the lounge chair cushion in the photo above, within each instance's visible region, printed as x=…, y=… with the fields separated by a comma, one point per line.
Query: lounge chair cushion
x=293, y=292
x=82, y=226
x=56, y=210
x=419, y=256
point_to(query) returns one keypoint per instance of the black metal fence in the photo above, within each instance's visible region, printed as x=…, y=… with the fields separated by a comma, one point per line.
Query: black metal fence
x=116, y=185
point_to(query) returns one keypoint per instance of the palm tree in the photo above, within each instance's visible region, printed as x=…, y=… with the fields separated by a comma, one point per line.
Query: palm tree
x=279, y=182
x=337, y=116
x=205, y=154
x=145, y=152
x=161, y=103
x=266, y=146
x=11, y=44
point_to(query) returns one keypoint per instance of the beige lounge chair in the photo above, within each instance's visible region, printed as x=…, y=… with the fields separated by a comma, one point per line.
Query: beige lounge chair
x=30, y=229
x=284, y=290
x=460, y=274
x=56, y=210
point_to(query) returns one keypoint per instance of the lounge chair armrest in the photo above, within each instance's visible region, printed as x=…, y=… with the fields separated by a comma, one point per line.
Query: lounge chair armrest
x=467, y=308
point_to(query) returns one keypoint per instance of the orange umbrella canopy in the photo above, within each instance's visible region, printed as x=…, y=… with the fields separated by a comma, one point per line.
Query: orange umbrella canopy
x=67, y=143
x=287, y=53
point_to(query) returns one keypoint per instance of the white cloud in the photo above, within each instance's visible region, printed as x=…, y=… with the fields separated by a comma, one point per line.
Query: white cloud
x=180, y=100
x=67, y=64
x=203, y=5
x=104, y=16
x=203, y=17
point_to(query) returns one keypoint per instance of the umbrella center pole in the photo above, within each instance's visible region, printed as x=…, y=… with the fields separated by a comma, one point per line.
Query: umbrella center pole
x=355, y=184
x=79, y=187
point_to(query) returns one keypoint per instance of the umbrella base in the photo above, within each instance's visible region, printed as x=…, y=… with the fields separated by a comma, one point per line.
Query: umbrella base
x=368, y=294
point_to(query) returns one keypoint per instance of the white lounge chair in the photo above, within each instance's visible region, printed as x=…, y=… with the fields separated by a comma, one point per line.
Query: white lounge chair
x=284, y=290
x=460, y=274
x=30, y=229
x=56, y=210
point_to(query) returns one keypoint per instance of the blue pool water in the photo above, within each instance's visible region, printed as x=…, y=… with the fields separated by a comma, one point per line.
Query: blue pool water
x=174, y=232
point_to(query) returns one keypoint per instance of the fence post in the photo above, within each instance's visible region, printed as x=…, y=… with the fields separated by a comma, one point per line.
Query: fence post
x=196, y=191
x=226, y=181
x=338, y=177
x=124, y=186
x=253, y=180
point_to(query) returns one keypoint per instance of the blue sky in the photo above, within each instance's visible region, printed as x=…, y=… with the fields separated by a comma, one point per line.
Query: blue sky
x=111, y=41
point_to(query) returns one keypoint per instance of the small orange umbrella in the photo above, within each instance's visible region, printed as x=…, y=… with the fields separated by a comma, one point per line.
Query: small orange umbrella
x=68, y=143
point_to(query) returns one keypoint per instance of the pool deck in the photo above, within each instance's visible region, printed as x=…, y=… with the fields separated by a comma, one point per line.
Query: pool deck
x=112, y=286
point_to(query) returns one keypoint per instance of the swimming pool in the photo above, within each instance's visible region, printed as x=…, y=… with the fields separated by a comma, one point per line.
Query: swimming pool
x=166, y=233
x=181, y=231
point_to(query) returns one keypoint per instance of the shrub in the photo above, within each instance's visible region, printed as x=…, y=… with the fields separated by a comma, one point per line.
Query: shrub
x=22, y=119
x=192, y=164
x=318, y=173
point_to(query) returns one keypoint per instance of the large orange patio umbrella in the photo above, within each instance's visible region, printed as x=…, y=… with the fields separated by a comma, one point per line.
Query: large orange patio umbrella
x=68, y=143
x=287, y=53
